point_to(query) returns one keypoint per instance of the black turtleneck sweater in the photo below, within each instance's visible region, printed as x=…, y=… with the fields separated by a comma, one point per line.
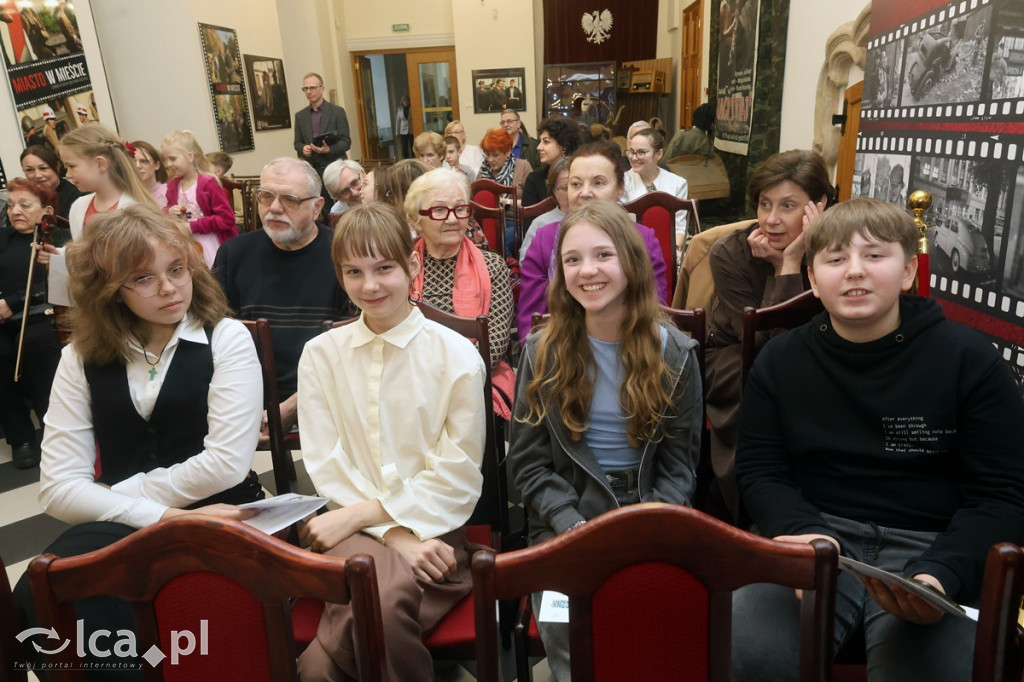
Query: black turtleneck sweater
x=919, y=430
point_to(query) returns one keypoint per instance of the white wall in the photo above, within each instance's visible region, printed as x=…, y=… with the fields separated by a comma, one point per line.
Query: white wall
x=493, y=34
x=153, y=56
x=811, y=22
x=11, y=141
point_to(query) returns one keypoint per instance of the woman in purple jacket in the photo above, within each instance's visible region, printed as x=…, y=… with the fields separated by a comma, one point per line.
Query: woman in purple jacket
x=594, y=174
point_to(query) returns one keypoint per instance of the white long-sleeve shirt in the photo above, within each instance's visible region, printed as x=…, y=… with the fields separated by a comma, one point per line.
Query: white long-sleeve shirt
x=234, y=412
x=664, y=182
x=398, y=417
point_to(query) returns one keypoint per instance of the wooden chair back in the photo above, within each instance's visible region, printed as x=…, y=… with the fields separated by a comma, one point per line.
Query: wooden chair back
x=999, y=640
x=492, y=221
x=786, y=315
x=485, y=192
x=280, y=454
x=540, y=208
x=656, y=580
x=657, y=210
x=237, y=579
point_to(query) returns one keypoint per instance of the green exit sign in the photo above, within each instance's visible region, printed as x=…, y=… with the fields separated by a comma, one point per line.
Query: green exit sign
x=399, y=27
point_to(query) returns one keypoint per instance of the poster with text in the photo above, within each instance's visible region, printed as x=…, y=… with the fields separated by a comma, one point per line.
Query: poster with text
x=267, y=92
x=223, y=61
x=49, y=77
x=943, y=111
x=737, y=66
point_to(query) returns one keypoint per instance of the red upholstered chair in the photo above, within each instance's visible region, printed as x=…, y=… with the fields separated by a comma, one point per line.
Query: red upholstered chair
x=999, y=641
x=657, y=210
x=280, y=452
x=239, y=580
x=486, y=192
x=786, y=315
x=489, y=218
x=650, y=593
x=11, y=653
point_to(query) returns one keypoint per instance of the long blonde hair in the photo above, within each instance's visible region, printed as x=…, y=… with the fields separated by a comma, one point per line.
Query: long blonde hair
x=563, y=360
x=185, y=140
x=92, y=140
x=116, y=244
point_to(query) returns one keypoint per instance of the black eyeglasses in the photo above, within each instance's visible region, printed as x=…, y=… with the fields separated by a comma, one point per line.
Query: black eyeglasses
x=441, y=213
x=264, y=197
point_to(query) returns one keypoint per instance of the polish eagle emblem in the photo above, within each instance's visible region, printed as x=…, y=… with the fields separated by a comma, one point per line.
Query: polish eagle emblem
x=597, y=25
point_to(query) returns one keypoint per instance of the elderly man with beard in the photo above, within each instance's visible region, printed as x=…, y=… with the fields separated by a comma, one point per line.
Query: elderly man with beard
x=284, y=272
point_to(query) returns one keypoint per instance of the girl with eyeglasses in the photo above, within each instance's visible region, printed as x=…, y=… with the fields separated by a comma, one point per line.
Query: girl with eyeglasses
x=456, y=276
x=645, y=151
x=156, y=404
x=393, y=433
x=194, y=193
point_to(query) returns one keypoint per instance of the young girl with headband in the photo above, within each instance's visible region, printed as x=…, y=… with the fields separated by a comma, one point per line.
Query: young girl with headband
x=98, y=162
x=608, y=409
x=195, y=194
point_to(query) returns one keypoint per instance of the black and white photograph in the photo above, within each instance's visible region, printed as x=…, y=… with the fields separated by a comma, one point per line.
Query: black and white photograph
x=968, y=214
x=499, y=90
x=1013, y=269
x=882, y=176
x=945, y=62
x=886, y=63
x=1005, y=77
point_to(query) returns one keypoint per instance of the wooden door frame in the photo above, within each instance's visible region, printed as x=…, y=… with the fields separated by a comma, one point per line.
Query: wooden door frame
x=847, y=154
x=415, y=114
x=685, y=119
x=412, y=66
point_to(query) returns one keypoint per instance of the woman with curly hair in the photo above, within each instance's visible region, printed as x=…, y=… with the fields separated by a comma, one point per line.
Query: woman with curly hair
x=608, y=402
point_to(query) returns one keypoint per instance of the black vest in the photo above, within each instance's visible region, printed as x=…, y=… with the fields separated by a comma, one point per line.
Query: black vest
x=129, y=444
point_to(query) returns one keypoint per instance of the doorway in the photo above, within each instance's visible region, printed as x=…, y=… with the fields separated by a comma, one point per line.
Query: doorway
x=382, y=78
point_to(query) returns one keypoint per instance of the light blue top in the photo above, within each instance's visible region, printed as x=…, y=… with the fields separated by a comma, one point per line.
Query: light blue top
x=606, y=436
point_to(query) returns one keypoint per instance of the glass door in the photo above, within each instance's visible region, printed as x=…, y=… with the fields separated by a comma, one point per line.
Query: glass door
x=433, y=89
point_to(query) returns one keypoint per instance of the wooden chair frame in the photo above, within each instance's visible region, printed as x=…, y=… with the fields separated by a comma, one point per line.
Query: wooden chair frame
x=273, y=572
x=652, y=201
x=998, y=647
x=485, y=192
x=786, y=315
x=280, y=454
x=721, y=557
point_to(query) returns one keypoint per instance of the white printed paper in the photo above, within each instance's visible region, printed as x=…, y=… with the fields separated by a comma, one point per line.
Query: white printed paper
x=554, y=608
x=930, y=596
x=280, y=512
x=57, y=280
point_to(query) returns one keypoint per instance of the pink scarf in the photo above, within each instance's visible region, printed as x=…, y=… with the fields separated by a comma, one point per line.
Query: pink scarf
x=471, y=297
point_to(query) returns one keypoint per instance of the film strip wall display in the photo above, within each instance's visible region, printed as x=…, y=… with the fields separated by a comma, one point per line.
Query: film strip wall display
x=943, y=111
x=223, y=61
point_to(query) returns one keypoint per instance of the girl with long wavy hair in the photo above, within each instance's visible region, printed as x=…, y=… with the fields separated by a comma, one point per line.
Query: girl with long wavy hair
x=609, y=394
x=156, y=405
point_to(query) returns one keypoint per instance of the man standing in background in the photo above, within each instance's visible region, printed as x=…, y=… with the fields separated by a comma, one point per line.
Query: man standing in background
x=321, y=129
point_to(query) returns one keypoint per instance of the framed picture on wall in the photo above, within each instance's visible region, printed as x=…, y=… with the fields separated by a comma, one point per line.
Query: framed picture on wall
x=227, y=87
x=499, y=90
x=267, y=92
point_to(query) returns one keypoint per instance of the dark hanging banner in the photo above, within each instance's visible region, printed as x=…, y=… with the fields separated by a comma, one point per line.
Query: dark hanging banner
x=599, y=30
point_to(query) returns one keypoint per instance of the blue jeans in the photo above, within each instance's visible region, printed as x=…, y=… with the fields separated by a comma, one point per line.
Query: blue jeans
x=765, y=636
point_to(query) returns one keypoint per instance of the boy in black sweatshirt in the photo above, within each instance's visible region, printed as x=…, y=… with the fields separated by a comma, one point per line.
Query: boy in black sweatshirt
x=890, y=431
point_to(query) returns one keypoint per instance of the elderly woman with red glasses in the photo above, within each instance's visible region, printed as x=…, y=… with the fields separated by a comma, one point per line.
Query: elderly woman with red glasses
x=455, y=275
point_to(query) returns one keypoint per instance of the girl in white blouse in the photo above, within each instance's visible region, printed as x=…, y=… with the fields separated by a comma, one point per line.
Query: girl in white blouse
x=393, y=415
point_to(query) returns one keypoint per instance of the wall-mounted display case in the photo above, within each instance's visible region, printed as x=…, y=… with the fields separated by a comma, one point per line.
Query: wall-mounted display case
x=582, y=91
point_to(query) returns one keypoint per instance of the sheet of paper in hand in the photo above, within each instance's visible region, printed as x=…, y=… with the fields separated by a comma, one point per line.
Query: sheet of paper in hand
x=932, y=597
